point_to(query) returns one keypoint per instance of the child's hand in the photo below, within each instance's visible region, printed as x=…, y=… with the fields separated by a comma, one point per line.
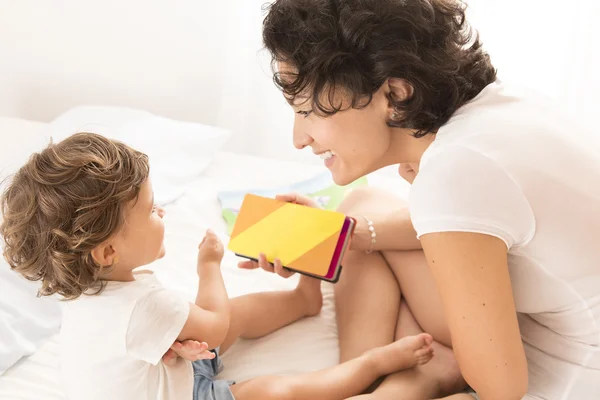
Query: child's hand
x=190, y=350
x=210, y=249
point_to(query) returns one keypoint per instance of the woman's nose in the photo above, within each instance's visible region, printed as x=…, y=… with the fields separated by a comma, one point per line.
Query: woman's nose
x=160, y=211
x=301, y=136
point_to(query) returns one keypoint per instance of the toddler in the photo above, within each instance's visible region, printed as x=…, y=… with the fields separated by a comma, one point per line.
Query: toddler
x=80, y=217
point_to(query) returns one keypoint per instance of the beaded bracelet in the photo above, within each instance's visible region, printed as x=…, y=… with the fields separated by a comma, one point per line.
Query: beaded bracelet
x=373, y=235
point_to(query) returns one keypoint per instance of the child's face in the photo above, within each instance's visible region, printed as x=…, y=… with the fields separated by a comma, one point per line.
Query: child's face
x=140, y=241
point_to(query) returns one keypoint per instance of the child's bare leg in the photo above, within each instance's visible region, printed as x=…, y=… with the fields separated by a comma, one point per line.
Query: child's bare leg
x=258, y=314
x=341, y=381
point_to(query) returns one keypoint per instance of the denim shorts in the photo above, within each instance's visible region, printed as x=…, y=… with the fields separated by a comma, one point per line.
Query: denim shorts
x=205, y=385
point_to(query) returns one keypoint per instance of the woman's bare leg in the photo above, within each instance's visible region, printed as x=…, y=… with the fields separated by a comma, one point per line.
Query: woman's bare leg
x=340, y=381
x=432, y=380
x=367, y=302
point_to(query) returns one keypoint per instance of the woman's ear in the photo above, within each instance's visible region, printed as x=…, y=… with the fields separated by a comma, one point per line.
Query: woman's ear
x=104, y=255
x=398, y=90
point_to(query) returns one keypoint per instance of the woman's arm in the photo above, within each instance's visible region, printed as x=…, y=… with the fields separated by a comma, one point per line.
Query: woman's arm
x=471, y=272
x=394, y=231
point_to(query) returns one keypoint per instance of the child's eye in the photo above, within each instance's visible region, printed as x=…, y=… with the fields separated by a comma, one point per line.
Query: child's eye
x=155, y=208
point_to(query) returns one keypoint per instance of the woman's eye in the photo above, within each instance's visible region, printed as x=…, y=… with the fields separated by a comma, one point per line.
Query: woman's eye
x=304, y=113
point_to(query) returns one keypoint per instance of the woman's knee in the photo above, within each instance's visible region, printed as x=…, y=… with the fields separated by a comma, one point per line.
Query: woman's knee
x=368, y=198
x=354, y=199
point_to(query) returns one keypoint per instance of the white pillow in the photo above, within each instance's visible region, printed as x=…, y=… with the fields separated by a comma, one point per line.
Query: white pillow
x=25, y=320
x=179, y=151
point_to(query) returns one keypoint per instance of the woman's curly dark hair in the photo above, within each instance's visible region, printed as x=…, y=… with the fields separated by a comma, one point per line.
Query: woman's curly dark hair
x=356, y=45
x=62, y=203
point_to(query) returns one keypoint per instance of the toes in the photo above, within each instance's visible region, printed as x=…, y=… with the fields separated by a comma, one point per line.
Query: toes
x=425, y=339
x=424, y=352
x=417, y=342
x=427, y=358
x=429, y=339
x=424, y=355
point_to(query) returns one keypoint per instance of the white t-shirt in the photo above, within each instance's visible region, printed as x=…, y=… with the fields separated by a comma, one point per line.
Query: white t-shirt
x=112, y=344
x=508, y=165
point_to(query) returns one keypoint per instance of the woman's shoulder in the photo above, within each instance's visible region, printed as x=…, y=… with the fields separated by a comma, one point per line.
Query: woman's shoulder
x=506, y=111
x=461, y=189
x=512, y=127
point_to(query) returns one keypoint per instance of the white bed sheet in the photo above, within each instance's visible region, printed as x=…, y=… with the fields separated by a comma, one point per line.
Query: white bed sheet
x=305, y=346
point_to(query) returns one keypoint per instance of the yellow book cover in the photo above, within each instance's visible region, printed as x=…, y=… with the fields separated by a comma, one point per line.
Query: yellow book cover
x=303, y=238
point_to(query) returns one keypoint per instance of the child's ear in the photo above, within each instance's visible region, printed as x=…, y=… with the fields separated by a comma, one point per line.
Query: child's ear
x=104, y=255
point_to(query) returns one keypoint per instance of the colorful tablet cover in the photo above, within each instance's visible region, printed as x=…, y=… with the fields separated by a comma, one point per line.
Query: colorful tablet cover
x=303, y=238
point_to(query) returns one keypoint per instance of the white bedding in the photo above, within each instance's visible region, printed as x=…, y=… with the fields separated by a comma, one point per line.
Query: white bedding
x=305, y=346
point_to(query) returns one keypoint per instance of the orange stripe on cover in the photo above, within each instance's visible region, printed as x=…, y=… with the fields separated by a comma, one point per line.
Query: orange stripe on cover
x=260, y=209
x=317, y=260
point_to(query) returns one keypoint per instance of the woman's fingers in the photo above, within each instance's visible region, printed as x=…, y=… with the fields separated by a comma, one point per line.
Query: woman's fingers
x=297, y=199
x=264, y=264
x=280, y=270
x=248, y=264
x=276, y=267
x=287, y=197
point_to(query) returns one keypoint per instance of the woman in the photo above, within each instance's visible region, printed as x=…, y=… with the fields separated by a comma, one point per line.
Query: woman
x=488, y=258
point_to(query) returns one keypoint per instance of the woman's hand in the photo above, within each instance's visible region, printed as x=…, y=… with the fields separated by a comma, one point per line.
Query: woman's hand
x=297, y=199
x=190, y=350
x=408, y=171
x=277, y=267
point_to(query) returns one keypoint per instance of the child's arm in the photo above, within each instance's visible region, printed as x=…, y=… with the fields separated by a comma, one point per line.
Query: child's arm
x=208, y=320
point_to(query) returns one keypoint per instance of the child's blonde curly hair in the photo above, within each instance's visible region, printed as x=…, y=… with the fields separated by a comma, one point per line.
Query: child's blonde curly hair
x=64, y=202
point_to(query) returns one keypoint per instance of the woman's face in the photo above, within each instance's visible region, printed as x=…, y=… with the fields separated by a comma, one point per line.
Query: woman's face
x=353, y=142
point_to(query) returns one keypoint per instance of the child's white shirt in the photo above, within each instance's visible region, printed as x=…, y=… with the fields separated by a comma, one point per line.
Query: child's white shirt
x=112, y=344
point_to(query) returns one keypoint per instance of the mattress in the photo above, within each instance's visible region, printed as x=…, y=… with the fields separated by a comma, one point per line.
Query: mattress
x=305, y=346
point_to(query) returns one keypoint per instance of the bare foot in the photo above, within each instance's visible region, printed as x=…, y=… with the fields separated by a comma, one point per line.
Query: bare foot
x=405, y=353
x=309, y=291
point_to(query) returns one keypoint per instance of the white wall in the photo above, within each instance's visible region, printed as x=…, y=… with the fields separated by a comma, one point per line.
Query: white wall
x=551, y=46
x=165, y=56
x=200, y=60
